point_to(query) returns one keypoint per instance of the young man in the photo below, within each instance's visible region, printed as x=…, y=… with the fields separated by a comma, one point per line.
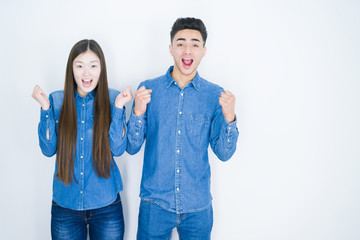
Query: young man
x=179, y=114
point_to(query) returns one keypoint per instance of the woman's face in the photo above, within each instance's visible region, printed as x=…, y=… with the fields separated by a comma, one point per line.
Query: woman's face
x=86, y=68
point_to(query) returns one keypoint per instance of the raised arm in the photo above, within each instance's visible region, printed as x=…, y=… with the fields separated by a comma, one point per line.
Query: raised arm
x=137, y=121
x=117, y=131
x=223, y=132
x=46, y=128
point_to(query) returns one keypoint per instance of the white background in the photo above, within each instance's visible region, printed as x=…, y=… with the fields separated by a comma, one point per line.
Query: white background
x=293, y=66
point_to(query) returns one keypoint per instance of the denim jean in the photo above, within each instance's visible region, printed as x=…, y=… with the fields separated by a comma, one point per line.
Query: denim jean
x=157, y=223
x=104, y=223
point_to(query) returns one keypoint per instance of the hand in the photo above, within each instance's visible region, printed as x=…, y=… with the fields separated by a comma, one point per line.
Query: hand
x=124, y=97
x=227, y=102
x=142, y=98
x=39, y=95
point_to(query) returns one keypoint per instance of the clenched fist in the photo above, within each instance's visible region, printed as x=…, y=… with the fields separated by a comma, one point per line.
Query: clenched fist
x=142, y=98
x=124, y=97
x=227, y=102
x=39, y=95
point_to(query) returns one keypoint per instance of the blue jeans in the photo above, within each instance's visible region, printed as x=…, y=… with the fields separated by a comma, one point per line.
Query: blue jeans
x=104, y=223
x=157, y=223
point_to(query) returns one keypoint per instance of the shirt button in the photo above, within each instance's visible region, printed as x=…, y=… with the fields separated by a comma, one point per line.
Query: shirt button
x=177, y=189
x=82, y=121
x=229, y=128
x=82, y=173
x=81, y=139
x=182, y=94
x=81, y=192
x=139, y=121
x=178, y=171
x=81, y=156
x=83, y=105
x=228, y=140
x=178, y=151
x=47, y=115
x=136, y=134
x=180, y=112
x=179, y=131
x=57, y=121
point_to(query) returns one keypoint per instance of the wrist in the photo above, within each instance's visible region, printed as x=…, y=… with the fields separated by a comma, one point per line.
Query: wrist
x=137, y=113
x=45, y=107
x=121, y=106
x=230, y=119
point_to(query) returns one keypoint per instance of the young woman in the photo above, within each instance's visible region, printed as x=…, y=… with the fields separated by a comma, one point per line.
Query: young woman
x=84, y=125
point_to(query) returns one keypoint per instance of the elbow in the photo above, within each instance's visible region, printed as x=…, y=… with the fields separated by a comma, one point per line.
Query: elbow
x=224, y=157
x=48, y=148
x=131, y=149
x=118, y=150
x=226, y=154
x=48, y=152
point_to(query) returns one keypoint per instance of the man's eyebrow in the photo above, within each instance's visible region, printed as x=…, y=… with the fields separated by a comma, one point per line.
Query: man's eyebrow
x=183, y=39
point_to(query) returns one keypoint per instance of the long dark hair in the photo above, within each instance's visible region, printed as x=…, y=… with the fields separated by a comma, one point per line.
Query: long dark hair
x=66, y=142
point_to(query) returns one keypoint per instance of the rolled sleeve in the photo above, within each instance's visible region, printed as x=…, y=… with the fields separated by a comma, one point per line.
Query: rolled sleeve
x=47, y=123
x=231, y=135
x=223, y=142
x=117, y=135
x=136, y=133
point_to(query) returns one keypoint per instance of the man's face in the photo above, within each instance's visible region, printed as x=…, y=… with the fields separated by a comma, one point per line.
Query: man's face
x=187, y=49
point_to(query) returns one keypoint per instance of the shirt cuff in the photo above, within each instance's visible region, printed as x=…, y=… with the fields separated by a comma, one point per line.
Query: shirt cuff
x=46, y=115
x=136, y=127
x=137, y=120
x=117, y=113
x=230, y=126
x=231, y=134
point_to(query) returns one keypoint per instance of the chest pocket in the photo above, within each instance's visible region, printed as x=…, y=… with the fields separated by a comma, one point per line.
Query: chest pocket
x=199, y=125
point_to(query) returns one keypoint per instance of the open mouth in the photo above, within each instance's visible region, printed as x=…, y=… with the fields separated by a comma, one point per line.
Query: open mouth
x=187, y=62
x=87, y=82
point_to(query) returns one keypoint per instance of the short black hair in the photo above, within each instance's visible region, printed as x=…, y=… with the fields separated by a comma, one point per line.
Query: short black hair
x=188, y=23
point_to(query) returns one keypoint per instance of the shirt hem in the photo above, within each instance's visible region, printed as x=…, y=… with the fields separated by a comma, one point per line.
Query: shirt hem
x=174, y=211
x=90, y=208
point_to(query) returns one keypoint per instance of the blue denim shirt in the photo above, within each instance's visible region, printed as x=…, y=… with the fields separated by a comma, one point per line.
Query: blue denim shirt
x=90, y=191
x=178, y=126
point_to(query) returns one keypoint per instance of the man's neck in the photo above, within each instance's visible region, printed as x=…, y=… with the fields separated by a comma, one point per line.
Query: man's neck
x=182, y=79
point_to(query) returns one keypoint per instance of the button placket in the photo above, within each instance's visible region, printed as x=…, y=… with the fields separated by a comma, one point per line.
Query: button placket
x=178, y=151
x=82, y=150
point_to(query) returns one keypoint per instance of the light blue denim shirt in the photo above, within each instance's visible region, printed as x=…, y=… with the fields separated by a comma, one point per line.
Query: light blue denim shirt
x=178, y=126
x=90, y=191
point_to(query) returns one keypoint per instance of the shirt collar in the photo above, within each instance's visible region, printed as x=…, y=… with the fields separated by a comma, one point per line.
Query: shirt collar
x=169, y=80
x=90, y=95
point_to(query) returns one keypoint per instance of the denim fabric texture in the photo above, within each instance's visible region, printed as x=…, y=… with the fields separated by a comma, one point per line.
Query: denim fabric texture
x=105, y=223
x=157, y=223
x=178, y=126
x=90, y=191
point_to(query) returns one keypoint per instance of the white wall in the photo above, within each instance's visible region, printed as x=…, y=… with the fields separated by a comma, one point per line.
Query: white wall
x=293, y=65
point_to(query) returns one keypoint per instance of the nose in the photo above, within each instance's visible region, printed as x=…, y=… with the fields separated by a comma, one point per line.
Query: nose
x=188, y=50
x=86, y=71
